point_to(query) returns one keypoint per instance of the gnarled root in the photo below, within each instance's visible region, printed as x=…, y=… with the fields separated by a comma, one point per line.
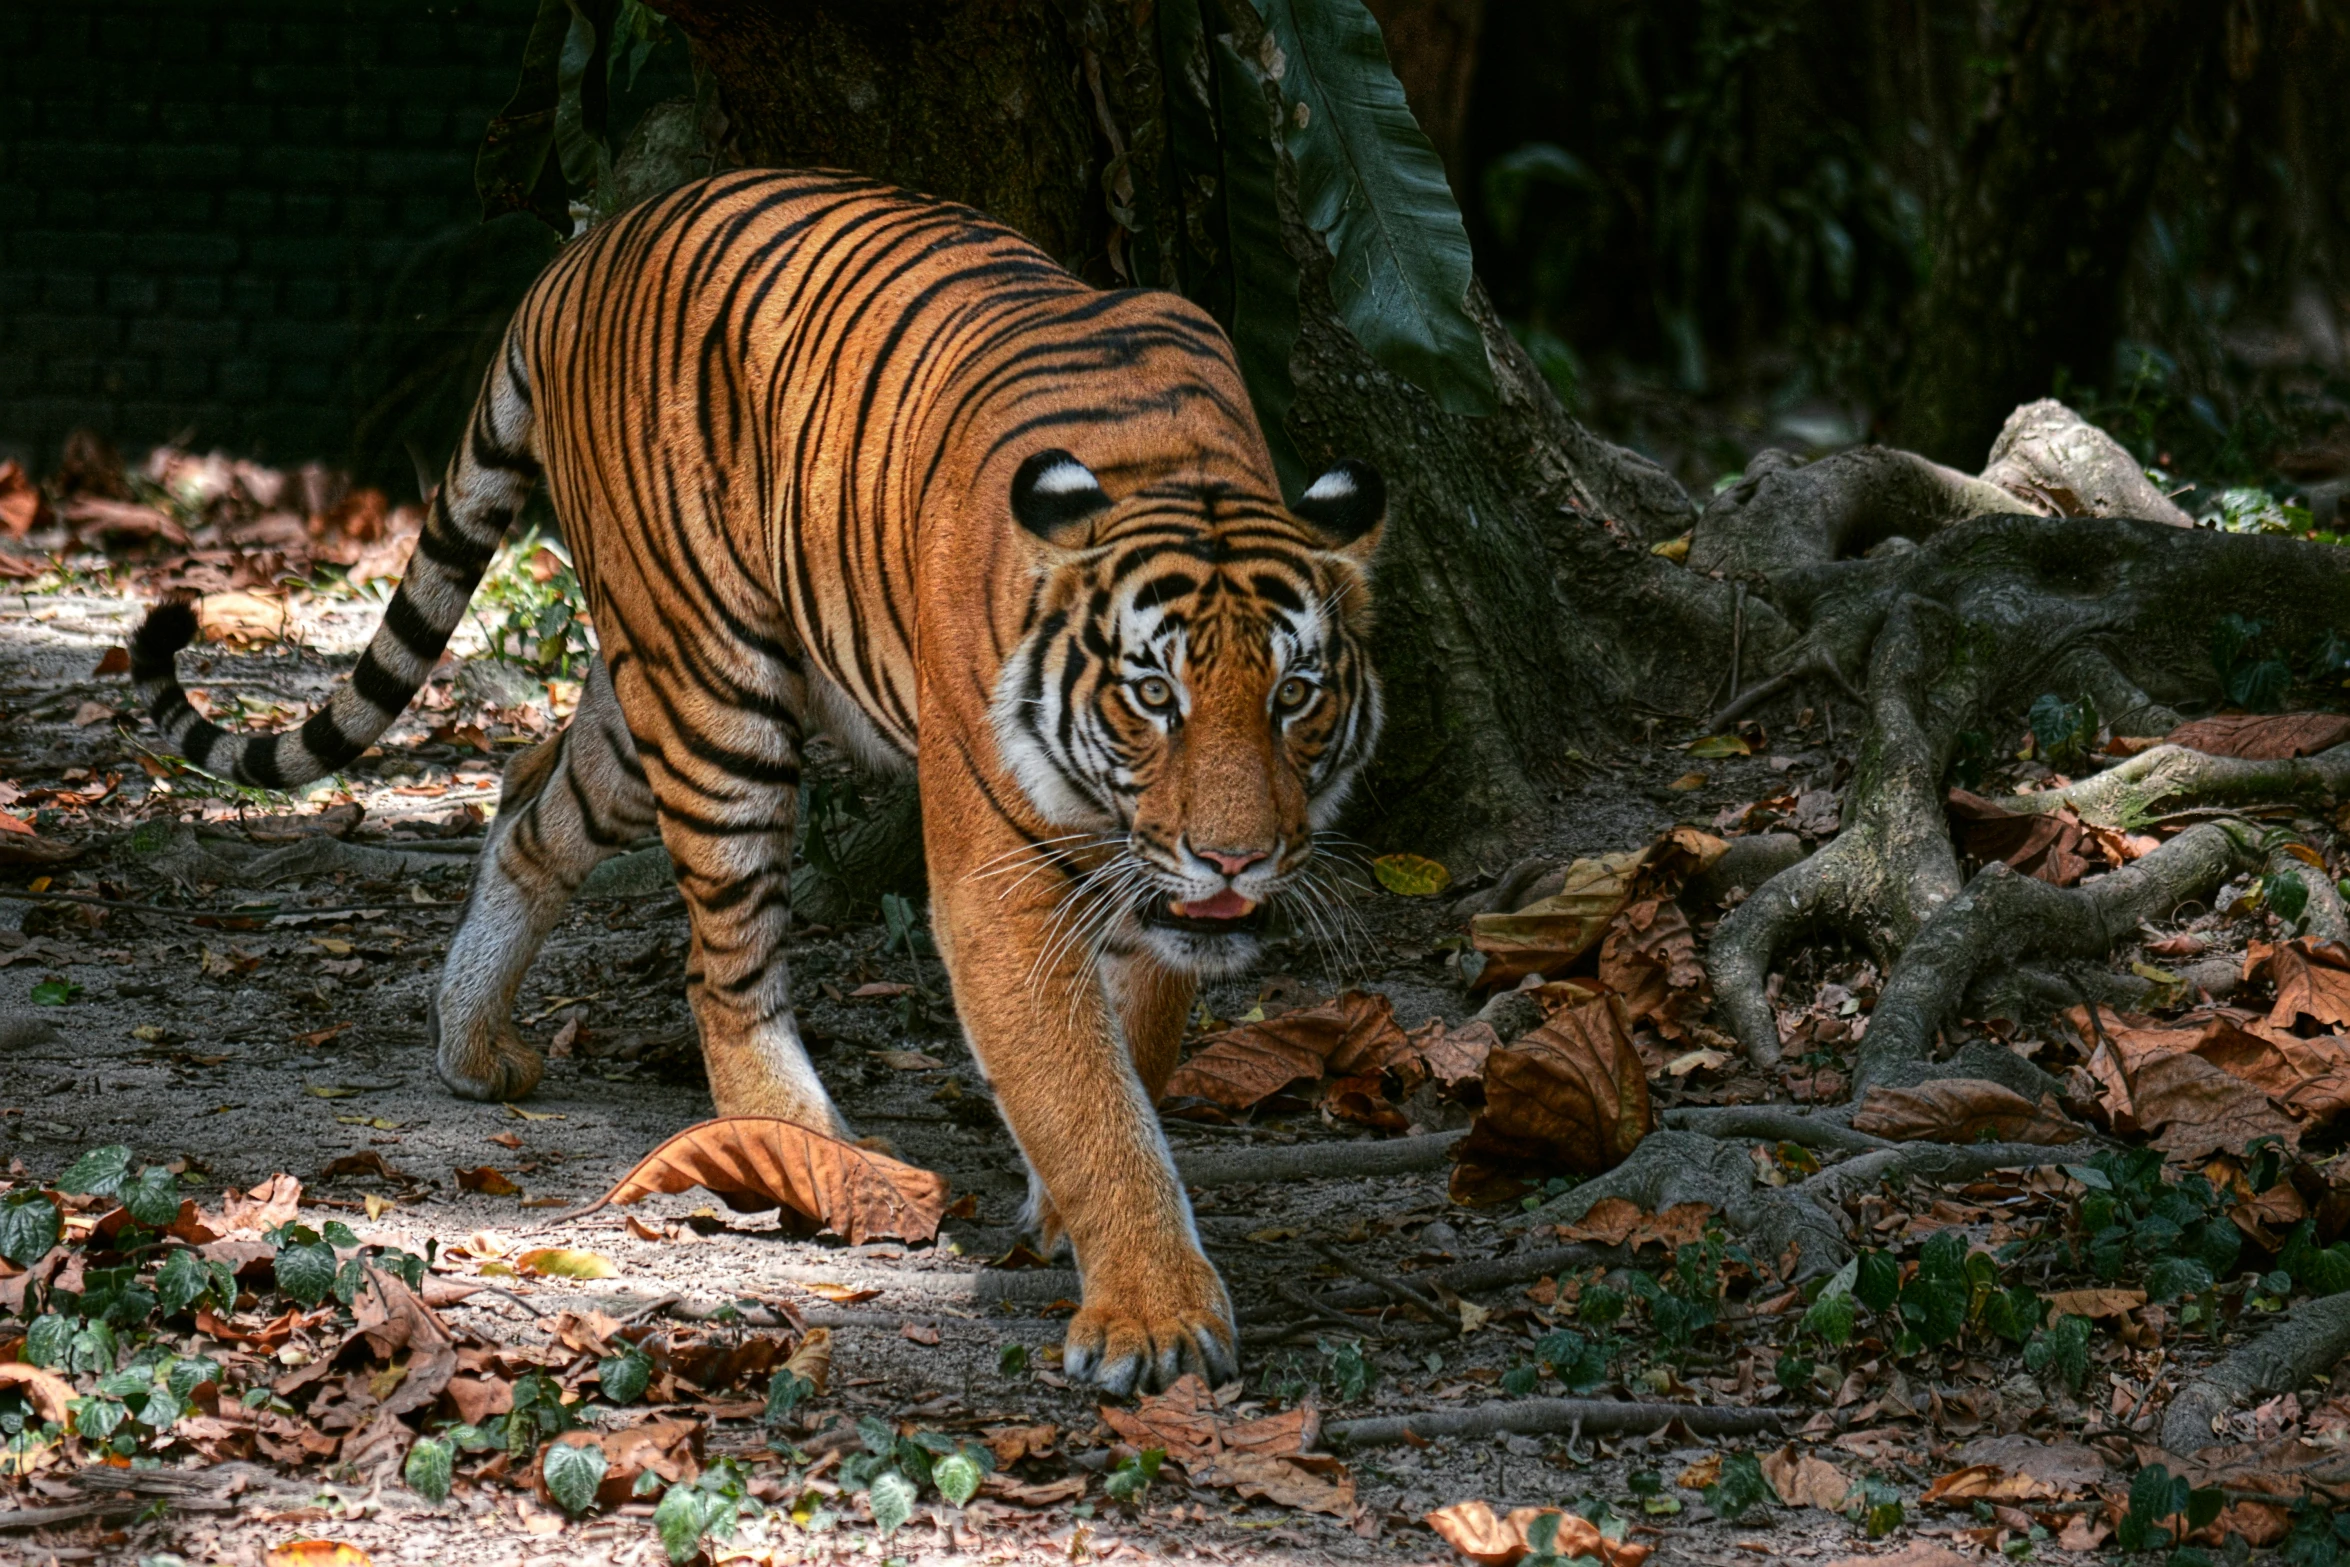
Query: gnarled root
x=2168, y=779
x=2301, y=1347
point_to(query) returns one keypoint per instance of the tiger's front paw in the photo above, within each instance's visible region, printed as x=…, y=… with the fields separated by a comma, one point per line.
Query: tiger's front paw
x=484, y=1063
x=1149, y=1329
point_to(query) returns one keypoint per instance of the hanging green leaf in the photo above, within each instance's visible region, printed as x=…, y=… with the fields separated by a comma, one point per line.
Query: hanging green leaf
x=1372, y=186
x=1264, y=320
x=515, y=171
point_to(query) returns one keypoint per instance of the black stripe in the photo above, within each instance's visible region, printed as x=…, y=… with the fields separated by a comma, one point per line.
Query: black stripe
x=382, y=689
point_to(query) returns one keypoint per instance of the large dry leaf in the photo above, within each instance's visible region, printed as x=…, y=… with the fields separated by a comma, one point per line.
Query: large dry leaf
x=50, y=1394
x=1472, y=1529
x=1961, y=1110
x=1546, y=936
x=1570, y=1096
x=274, y=1202
x=1617, y=1221
x=1266, y=1459
x=1805, y=1481
x=22, y=505
x=2046, y=845
x=2208, y=1084
x=1453, y=1056
x=2312, y=980
x=2263, y=737
x=670, y=1450
x=2094, y=1304
x=1243, y=1066
x=756, y=1162
x=2067, y=1469
x=1649, y=957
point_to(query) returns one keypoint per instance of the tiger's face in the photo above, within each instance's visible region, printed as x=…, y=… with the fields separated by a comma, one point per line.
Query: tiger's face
x=1192, y=698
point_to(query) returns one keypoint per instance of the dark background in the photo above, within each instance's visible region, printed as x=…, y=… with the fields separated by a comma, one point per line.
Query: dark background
x=251, y=223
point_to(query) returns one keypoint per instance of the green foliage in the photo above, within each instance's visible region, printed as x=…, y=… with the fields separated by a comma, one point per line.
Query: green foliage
x=55, y=992
x=707, y=1508
x=532, y=621
x=1348, y=1372
x=2285, y=895
x=1934, y=1302
x=305, y=1266
x=2063, y=731
x=2157, y=1495
x=573, y=1471
x=2249, y=509
x=2060, y=1349
x=2177, y=1234
x=1011, y=1360
x=430, y=1468
x=98, y=1173
x=785, y=1390
x=538, y=1414
x=1581, y=1362
x=1133, y=1476
x=1878, y=1506
x=1876, y=1280
x=623, y=1378
x=2320, y=1536
x=2251, y=677
x=1740, y=1486
x=29, y=1227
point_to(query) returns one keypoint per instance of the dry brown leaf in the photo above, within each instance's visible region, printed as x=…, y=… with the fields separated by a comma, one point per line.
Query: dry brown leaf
x=121, y=522
x=1020, y=1493
x=668, y=1449
x=274, y=1202
x=2312, y=980
x=22, y=505
x=2195, y=1108
x=1472, y=1529
x=1614, y=1221
x=756, y=1162
x=1570, y=1096
x=1310, y=1482
x=1990, y=1483
x=1918, y=1553
x=244, y=619
x=2068, y=1469
x=1649, y=957
x=50, y=1394
x=2046, y=845
x=1454, y=1056
x=1242, y=1066
x=2209, y=1085
x=316, y=1553
x=1961, y=1110
x=487, y=1181
x=2263, y=737
x=1264, y=1458
x=2094, y=1304
x=812, y=1361
x=1805, y=1481
x=1010, y=1444
x=1548, y=935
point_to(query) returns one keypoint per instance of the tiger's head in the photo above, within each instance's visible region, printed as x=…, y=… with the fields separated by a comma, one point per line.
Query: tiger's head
x=1192, y=696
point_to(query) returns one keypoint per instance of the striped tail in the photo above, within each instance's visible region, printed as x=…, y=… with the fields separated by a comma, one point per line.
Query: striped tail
x=487, y=482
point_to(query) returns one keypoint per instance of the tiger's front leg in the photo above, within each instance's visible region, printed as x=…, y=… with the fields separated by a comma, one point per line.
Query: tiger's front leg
x=1051, y=1041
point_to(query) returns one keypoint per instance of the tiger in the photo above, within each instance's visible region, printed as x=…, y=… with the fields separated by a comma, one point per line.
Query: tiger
x=832, y=456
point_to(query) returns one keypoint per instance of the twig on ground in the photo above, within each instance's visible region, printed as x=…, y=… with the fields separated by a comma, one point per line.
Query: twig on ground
x=1808, y=1129
x=1318, y=1312
x=1540, y=1416
x=1318, y=1161
x=1396, y=1289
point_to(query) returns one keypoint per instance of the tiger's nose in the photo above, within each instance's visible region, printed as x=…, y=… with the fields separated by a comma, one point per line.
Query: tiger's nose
x=1231, y=863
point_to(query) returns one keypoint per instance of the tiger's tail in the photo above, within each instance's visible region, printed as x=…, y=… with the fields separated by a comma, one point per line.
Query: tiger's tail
x=487, y=481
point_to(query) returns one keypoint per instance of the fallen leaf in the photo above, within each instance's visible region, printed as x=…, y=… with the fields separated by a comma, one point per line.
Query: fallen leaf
x=1472, y=1529
x=1713, y=746
x=879, y=990
x=1453, y=1056
x=811, y=1362
x=2094, y=1304
x=488, y=1182
x=1546, y=936
x=1618, y=1221
x=1012, y=1443
x=918, y=1333
x=2067, y=1469
x=243, y=619
x=1649, y=957
x=669, y=1450
x=1686, y=782
x=2312, y=980
x=1805, y=1481
x=1987, y=1482
x=1244, y=1066
x=1570, y=1096
x=1020, y=1493
x=556, y=1262
x=50, y=1394
x=316, y=1553
x=2045, y=845
x=1706, y=1471
x=22, y=505
x=1265, y=1458
x=1961, y=1110
x=2265, y=737
x=840, y=1294
x=2209, y=1084
x=1411, y=875
x=754, y=1163
x=274, y=1202
x=909, y=1061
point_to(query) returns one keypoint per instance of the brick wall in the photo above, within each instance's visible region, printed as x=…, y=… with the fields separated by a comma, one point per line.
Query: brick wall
x=204, y=205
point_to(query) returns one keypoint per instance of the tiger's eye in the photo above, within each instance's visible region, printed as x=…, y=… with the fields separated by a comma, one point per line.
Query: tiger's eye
x=1292, y=694
x=1155, y=692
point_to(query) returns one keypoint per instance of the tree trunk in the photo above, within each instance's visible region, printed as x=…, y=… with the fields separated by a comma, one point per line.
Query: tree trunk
x=1516, y=565
x=2030, y=245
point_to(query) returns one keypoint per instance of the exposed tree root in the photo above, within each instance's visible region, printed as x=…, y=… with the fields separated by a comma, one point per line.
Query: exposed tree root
x=2299, y=1348
x=1548, y=1416
x=1317, y=1161
x=1671, y=1167
x=2003, y=916
x=1830, y=1128
x=2168, y=779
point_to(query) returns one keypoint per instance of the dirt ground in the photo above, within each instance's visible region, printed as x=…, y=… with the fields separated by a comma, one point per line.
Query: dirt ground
x=284, y=1047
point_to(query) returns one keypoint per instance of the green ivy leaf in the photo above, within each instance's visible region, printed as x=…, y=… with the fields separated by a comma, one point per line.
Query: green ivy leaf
x=306, y=1272
x=98, y=1173
x=432, y=1464
x=154, y=1198
x=624, y=1378
x=891, y=1496
x=573, y=1471
x=49, y=1340
x=1831, y=1317
x=957, y=1478
x=1878, y=1283
x=190, y=1374
x=1010, y=1361
x=96, y=1419
x=1372, y=187
x=29, y=1227
x=54, y=992
x=678, y=1519
x=2062, y=1347
x=2170, y=1277
x=1740, y=1486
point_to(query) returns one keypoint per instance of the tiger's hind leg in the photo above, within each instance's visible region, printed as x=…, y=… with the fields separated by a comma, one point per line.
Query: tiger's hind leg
x=565, y=805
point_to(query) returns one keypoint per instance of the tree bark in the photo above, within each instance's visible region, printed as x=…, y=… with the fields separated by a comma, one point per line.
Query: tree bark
x=2030, y=245
x=1516, y=564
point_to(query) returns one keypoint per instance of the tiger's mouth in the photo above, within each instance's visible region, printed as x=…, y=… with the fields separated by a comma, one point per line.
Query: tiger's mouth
x=1228, y=913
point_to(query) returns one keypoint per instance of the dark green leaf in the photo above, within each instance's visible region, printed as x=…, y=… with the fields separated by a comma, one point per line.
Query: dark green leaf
x=431, y=1465
x=2168, y=1278
x=957, y=1478
x=2287, y=896
x=54, y=992
x=2061, y=1348
x=154, y=1198
x=49, y=1341
x=1740, y=1486
x=98, y=1173
x=515, y=171
x=1878, y=1284
x=624, y=1378
x=785, y=1390
x=95, y=1419
x=1831, y=1318
x=29, y=1227
x=190, y=1374
x=1371, y=185
x=306, y=1272
x=573, y=1471
x=1010, y=1361
x=679, y=1519
x=1263, y=275
x=338, y=1235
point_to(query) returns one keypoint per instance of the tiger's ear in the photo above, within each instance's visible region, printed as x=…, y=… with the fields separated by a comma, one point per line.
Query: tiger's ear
x=1345, y=504
x=1054, y=496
